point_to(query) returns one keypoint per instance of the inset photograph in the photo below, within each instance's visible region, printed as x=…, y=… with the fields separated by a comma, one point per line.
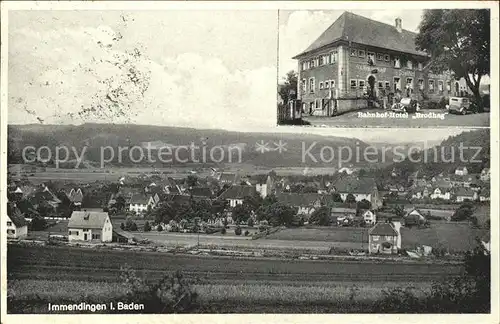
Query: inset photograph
x=385, y=68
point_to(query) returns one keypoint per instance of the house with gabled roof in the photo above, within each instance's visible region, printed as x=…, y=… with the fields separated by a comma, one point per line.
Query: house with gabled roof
x=463, y=193
x=237, y=193
x=75, y=197
x=441, y=193
x=306, y=203
x=359, y=56
x=90, y=226
x=361, y=188
x=384, y=238
x=485, y=174
x=16, y=225
x=228, y=178
x=139, y=203
x=461, y=171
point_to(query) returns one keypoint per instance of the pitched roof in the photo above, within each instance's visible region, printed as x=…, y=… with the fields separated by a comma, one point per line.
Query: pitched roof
x=485, y=192
x=355, y=185
x=341, y=210
x=15, y=215
x=87, y=219
x=362, y=30
x=238, y=192
x=201, y=192
x=464, y=192
x=296, y=199
x=75, y=195
x=140, y=199
x=383, y=229
x=228, y=177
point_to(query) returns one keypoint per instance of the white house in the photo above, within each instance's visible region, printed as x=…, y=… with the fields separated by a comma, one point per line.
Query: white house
x=90, y=226
x=360, y=188
x=484, y=195
x=485, y=174
x=461, y=171
x=236, y=194
x=441, y=193
x=139, y=203
x=384, y=238
x=16, y=225
x=369, y=217
x=346, y=170
x=264, y=187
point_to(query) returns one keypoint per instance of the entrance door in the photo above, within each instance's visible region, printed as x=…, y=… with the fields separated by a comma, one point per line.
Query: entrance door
x=85, y=236
x=457, y=89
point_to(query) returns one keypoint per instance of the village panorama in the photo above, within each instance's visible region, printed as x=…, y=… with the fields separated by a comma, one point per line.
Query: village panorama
x=146, y=172
x=342, y=236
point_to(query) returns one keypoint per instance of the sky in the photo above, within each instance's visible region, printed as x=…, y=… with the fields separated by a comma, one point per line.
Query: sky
x=201, y=69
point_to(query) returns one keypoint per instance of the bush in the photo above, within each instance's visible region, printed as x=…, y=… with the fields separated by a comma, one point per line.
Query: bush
x=171, y=294
x=250, y=222
x=247, y=233
x=223, y=231
x=38, y=224
x=147, y=227
x=159, y=228
x=122, y=226
x=237, y=230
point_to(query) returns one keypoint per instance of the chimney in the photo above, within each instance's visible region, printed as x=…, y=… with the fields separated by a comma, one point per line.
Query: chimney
x=399, y=25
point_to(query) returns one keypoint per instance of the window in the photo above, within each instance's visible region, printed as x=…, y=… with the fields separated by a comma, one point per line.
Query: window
x=371, y=58
x=11, y=231
x=333, y=57
x=387, y=58
x=304, y=85
x=420, y=66
x=361, y=53
x=421, y=84
x=409, y=83
x=354, y=84
x=316, y=61
x=332, y=84
x=431, y=86
x=389, y=238
x=327, y=84
x=448, y=85
x=304, y=66
x=311, y=85
x=387, y=85
x=397, y=62
x=96, y=236
x=9, y=223
x=380, y=57
x=375, y=237
x=397, y=84
x=381, y=84
x=321, y=85
x=311, y=105
x=361, y=84
x=311, y=63
x=354, y=52
x=409, y=64
x=440, y=86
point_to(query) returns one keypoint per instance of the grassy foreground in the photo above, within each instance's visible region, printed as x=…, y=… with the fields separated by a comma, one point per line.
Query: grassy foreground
x=217, y=297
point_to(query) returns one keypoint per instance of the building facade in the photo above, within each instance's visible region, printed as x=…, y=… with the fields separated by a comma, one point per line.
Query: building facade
x=357, y=59
x=90, y=226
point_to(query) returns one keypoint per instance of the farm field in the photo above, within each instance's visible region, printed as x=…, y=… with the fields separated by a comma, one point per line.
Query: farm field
x=241, y=293
x=37, y=275
x=65, y=263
